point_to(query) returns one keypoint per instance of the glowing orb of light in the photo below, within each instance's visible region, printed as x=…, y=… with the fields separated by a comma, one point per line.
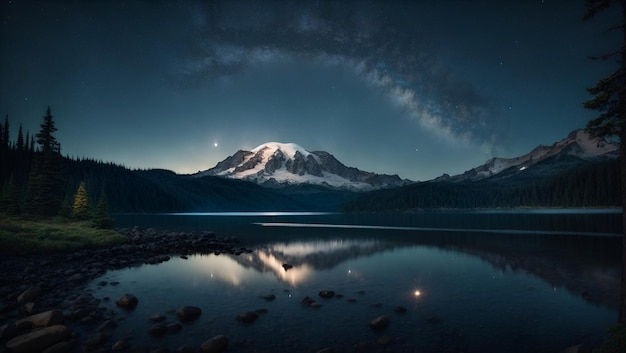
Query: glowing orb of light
x=417, y=293
x=215, y=144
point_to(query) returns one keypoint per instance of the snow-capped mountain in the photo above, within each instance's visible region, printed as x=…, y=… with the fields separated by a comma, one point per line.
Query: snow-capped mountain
x=578, y=146
x=279, y=164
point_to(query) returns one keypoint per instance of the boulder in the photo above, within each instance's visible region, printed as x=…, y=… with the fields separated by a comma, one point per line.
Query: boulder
x=269, y=297
x=327, y=294
x=307, y=301
x=30, y=294
x=173, y=327
x=127, y=301
x=39, y=340
x=106, y=326
x=287, y=267
x=157, y=317
x=188, y=313
x=380, y=323
x=61, y=347
x=121, y=345
x=157, y=330
x=216, y=344
x=247, y=317
x=47, y=318
x=400, y=309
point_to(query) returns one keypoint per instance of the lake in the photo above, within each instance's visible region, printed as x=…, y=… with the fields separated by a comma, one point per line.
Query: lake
x=471, y=281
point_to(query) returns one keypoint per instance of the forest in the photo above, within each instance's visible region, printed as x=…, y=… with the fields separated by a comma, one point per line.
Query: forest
x=37, y=180
x=581, y=185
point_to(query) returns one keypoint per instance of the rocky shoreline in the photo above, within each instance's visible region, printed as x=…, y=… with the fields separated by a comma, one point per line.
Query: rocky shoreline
x=44, y=306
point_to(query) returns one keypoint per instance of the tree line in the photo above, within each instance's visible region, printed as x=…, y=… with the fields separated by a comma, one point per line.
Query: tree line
x=593, y=185
x=35, y=181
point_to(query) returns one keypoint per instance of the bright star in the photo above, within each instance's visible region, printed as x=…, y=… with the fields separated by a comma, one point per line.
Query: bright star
x=215, y=144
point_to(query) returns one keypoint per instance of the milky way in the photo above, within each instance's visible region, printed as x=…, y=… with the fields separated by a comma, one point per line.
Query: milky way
x=417, y=88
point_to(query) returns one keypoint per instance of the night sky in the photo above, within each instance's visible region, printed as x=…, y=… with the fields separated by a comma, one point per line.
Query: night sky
x=417, y=88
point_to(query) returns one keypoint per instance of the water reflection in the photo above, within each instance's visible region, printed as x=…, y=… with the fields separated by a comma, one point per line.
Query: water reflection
x=586, y=266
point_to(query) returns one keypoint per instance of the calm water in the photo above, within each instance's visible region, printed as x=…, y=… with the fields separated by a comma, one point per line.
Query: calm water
x=533, y=281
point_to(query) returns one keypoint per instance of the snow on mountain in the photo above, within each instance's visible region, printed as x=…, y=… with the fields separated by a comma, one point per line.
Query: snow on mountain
x=578, y=144
x=278, y=164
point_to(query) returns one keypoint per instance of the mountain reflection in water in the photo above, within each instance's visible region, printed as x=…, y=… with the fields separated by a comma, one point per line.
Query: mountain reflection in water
x=468, y=283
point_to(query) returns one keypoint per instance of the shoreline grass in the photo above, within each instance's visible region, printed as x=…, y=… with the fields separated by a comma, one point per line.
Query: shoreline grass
x=21, y=236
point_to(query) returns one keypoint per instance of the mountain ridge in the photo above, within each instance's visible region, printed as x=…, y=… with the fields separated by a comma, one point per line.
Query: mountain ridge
x=276, y=164
x=578, y=144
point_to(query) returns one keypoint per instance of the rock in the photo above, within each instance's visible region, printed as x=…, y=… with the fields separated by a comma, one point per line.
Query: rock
x=39, y=340
x=157, y=317
x=315, y=305
x=307, y=301
x=29, y=308
x=380, y=323
x=185, y=349
x=61, y=347
x=30, y=294
x=7, y=331
x=327, y=294
x=127, y=301
x=173, y=327
x=269, y=297
x=216, y=344
x=121, y=345
x=108, y=325
x=287, y=267
x=247, y=317
x=48, y=318
x=188, y=313
x=400, y=309
x=157, y=330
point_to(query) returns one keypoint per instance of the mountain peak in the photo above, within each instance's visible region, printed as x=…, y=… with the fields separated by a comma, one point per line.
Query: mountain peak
x=289, y=149
x=578, y=145
x=278, y=164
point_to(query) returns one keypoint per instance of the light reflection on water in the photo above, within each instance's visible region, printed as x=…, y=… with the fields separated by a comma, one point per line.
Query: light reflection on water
x=477, y=292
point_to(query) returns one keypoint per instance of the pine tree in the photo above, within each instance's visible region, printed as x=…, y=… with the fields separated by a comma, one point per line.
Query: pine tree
x=610, y=100
x=102, y=218
x=45, y=189
x=12, y=197
x=80, y=207
x=5, y=133
x=20, y=139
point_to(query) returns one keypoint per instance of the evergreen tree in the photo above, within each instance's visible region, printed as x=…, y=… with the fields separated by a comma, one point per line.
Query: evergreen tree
x=45, y=190
x=20, y=139
x=12, y=197
x=80, y=207
x=5, y=133
x=101, y=218
x=610, y=100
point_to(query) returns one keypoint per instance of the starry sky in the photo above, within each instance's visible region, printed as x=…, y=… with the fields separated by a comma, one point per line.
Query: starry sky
x=414, y=88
